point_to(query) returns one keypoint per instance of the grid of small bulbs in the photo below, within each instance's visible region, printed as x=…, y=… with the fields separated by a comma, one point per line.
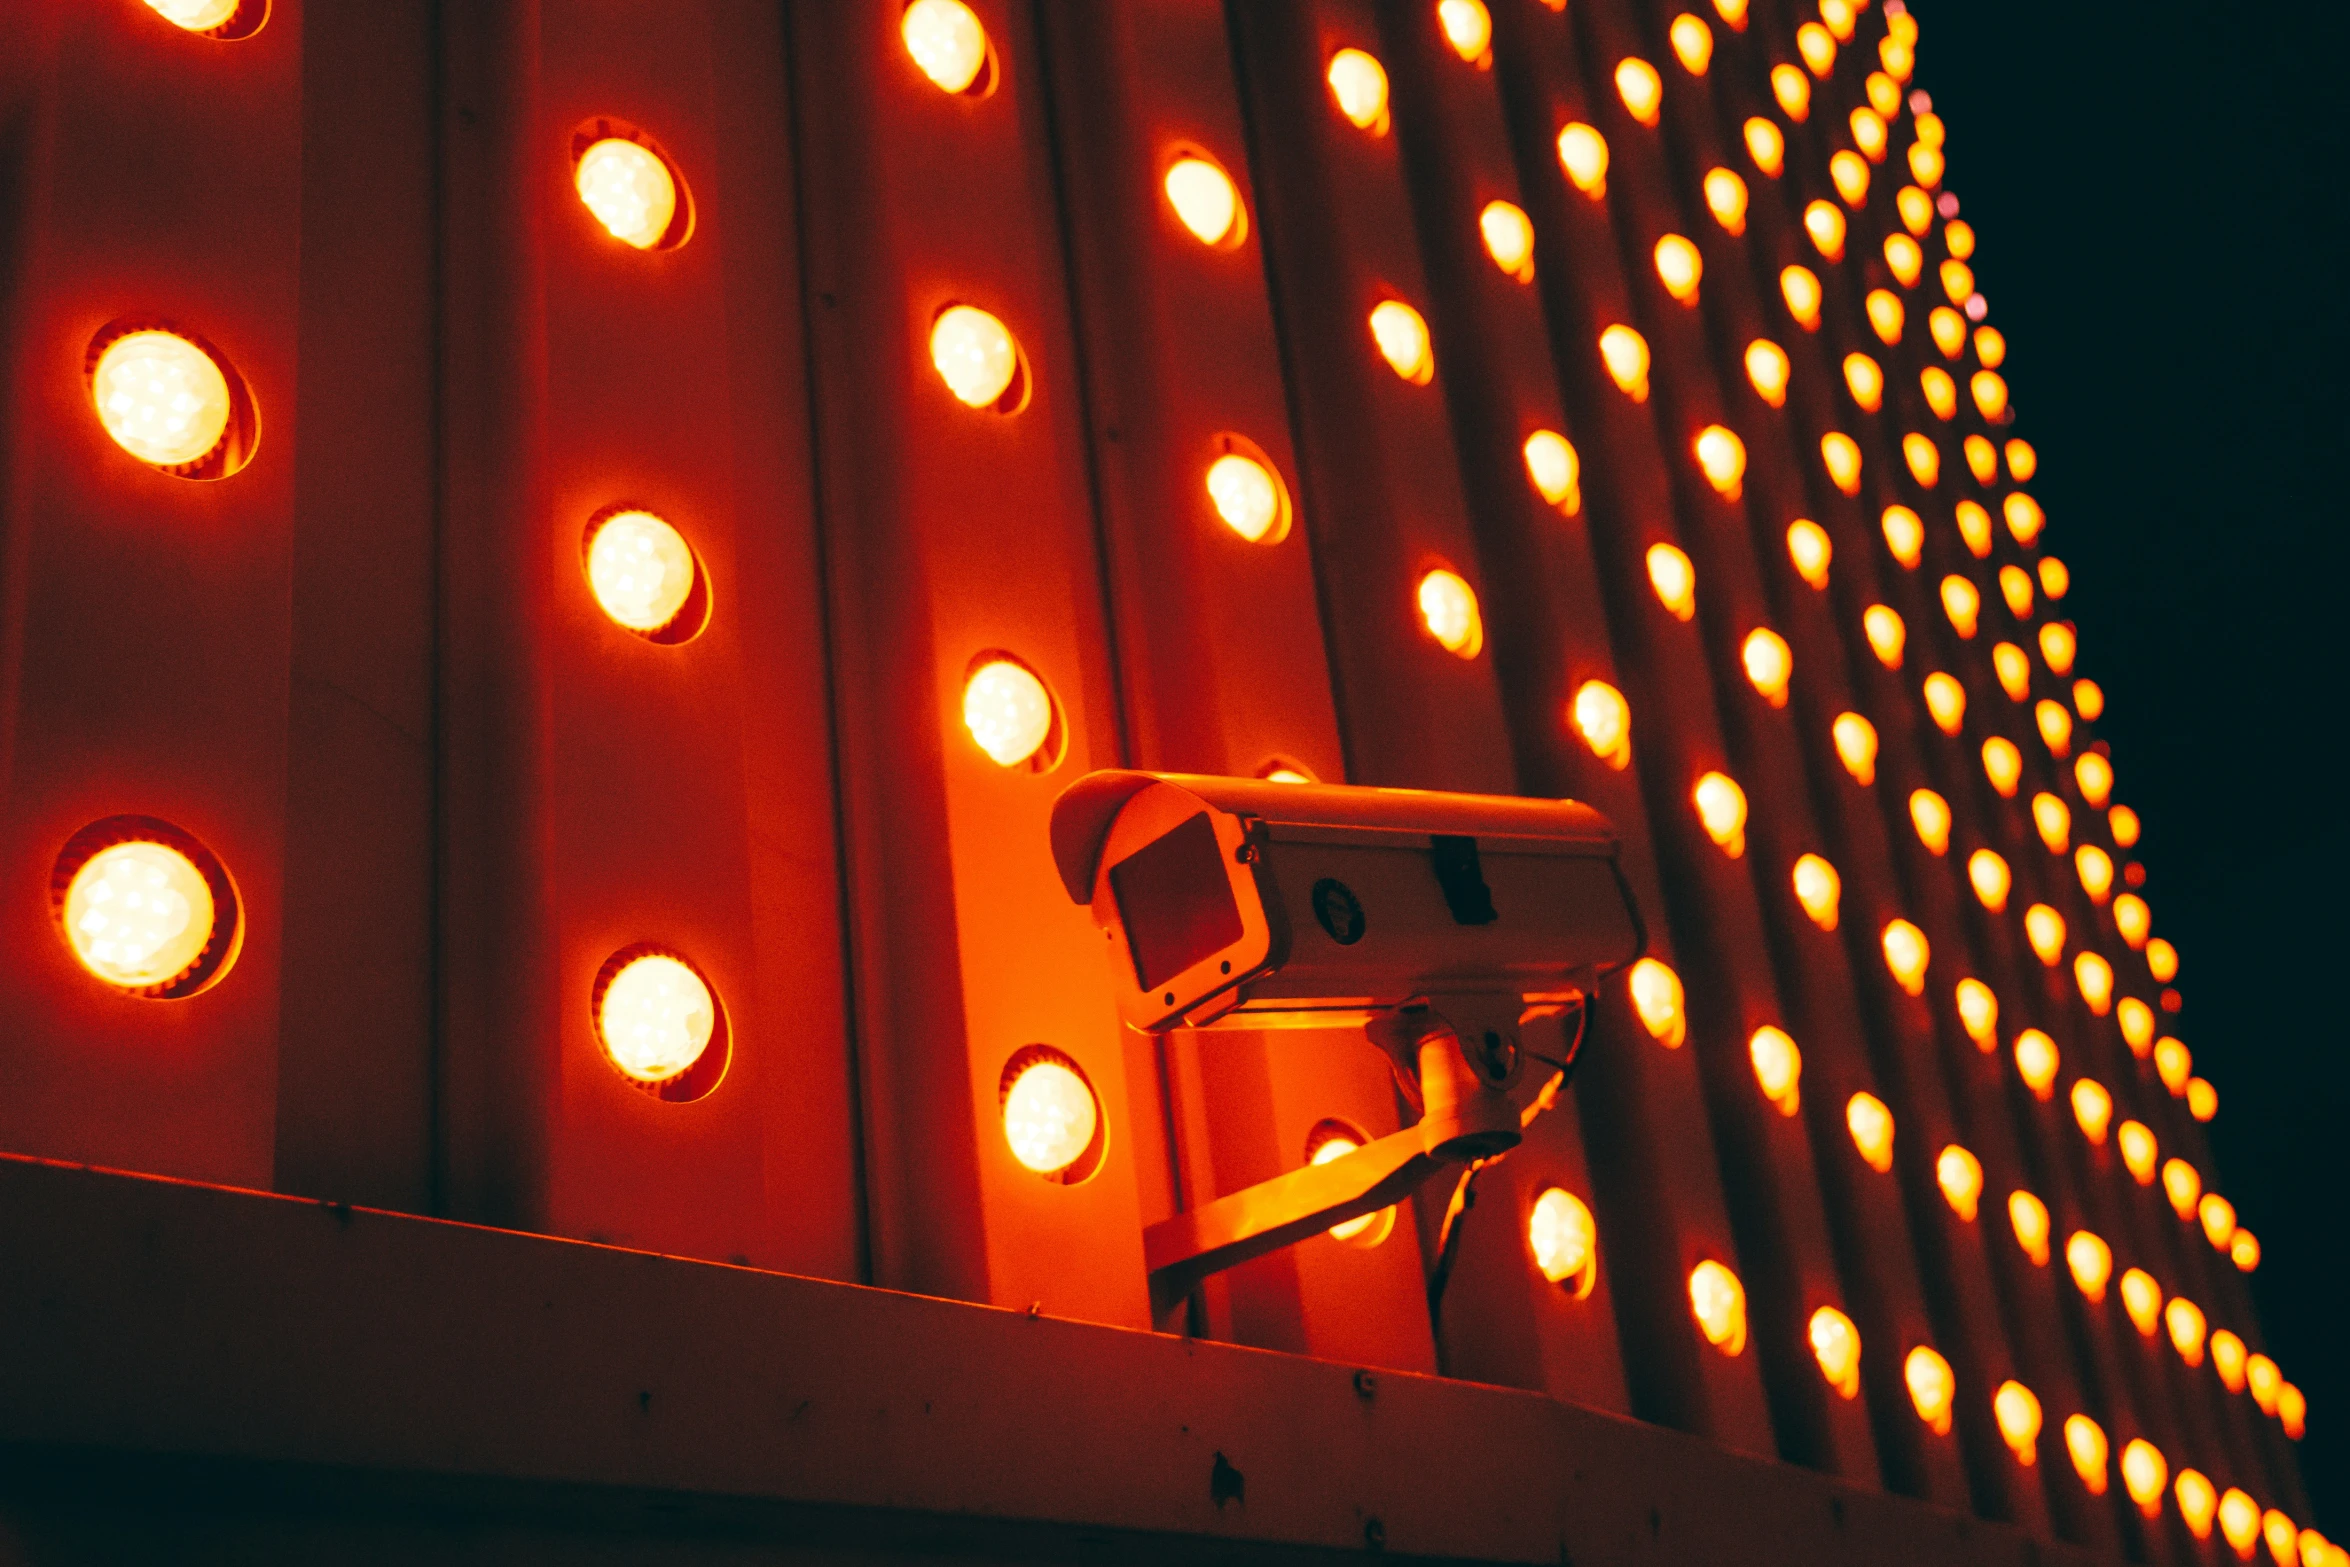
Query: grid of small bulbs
x=655, y=1013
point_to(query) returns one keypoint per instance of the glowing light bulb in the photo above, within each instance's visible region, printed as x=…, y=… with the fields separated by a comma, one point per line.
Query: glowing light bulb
x=1402, y=338
x=2198, y=1502
x=2014, y=668
x=1723, y=461
x=1886, y=634
x=2029, y=1216
x=1989, y=389
x=2090, y=1261
x=1840, y=18
x=1008, y=711
x=2244, y=1250
x=1945, y=702
x=1718, y=1301
x=1897, y=57
x=1721, y=807
x=1856, y=747
x=655, y=1018
x=2293, y=1413
x=1825, y=224
x=2283, y=1537
x=1793, y=90
x=2124, y=824
x=1249, y=497
x=1448, y=608
x=1818, y=48
x=2174, y=1064
x=1509, y=238
x=1886, y=316
x=2044, y=929
x=1656, y=996
x=2018, y=1413
x=2144, y=1476
x=2089, y=698
x=1906, y=955
x=163, y=399
x=1835, y=1344
x=1642, y=90
x=2162, y=960
x=2142, y=1299
x=1674, y=580
x=2139, y=1151
x=1930, y=814
x=1948, y=329
x=2092, y=1109
x=641, y=570
x=2137, y=1019
x=1958, y=237
x=1693, y=43
x=1765, y=143
x=139, y=914
x=2094, y=976
x=2239, y=1522
x=2056, y=726
x=2202, y=1099
x=1978, y=1011
x=1733, y=12
x=1841, y=454
x=2003, y=764
x=629, y=189
x=1989, y=874
x=2057, y=645
x=1924, y=458
x=1050, y=1116
x=1916, y=209
x=2015, y=586
x=1358, y=85
x=1982, y=459
x=1868, y=134
x=1932, y=1388
x=2022, y=463
x=1468, y=27
x=1769, y=664
x=1625, y=353
x=1678, y=267
x=1583, y=154
x=1800, y=286
x=1958, y=280
x=1726, y=199
x=1767, y=369
x=1205, y=201
x=1974, y=526
x=1810, y=551
x=1990, y=346
x=1850, y=179
x=1819, y=889
x=2218, y=1216
x=1941, y=391
x=1960, y=1175
x=1906, y=260
x=2183, y=1186
x=1778, y=1068
x=2227, y=1358
x=1962, y=603
x=2025, y=519
x=2096, y=871
x=1604, y=719
x=2036, y=1061
x=977, y=358
x=197, y=16
x=2054, y=819
x=1865, y=381
x=1925, y=164
x=946, y=42
x=1871, y=1125
x=1555, y=469
x=2084, y=1440
x=1329, y=1143
x=1565, y=1241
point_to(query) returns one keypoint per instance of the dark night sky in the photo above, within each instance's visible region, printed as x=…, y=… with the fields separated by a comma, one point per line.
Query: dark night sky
x=2159, y=193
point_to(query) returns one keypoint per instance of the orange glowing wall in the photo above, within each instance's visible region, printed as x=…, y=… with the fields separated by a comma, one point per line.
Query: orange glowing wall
x=369, y=672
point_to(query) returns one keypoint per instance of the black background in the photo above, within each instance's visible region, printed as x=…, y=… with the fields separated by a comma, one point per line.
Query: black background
x=2158, y=191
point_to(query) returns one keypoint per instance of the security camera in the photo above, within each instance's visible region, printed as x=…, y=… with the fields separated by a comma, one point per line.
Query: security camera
x=1439, y=923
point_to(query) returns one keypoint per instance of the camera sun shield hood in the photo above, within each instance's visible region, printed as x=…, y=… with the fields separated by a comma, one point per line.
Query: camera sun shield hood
x=1258, y=904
